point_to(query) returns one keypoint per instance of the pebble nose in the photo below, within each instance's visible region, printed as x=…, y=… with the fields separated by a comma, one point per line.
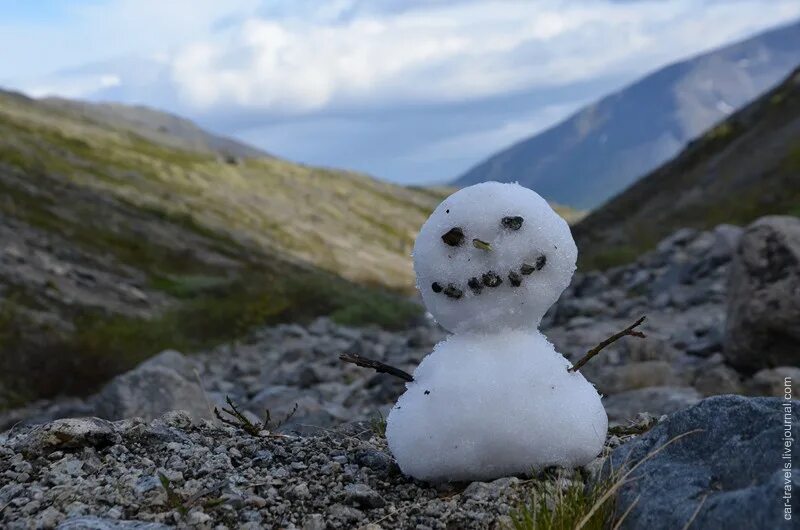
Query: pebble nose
x=483, y=245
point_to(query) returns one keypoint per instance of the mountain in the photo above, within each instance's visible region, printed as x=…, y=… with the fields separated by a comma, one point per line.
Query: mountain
x=606, y=146
x=124, y=231
x=745, y=167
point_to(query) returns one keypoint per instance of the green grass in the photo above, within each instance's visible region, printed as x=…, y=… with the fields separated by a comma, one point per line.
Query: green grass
x=42, y=362
x=589, y=507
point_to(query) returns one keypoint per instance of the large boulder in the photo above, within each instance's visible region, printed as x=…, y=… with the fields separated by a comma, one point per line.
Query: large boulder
x=763, y=315
x=727, y=473
x=160, y=384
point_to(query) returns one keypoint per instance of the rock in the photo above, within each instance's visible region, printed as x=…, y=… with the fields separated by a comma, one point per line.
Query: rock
x=728, y=471
x=375, y=460
x=363, y=496
x=619, y=378
x=706, y=344
x=98, y=523
x=64, y=434
x=718, y=379
x=773, y=381
x=763, y=307
x=677, y=239
x=280, y=401
x=161, y=384
x=315, y=521
x=483, y=491
x=655, y=400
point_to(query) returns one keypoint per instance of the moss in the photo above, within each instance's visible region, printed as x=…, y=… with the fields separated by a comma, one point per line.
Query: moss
x=189, y=286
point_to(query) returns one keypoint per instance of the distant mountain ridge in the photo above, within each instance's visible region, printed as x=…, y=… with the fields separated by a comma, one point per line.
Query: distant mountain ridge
x=606, y=146
x=746, y=167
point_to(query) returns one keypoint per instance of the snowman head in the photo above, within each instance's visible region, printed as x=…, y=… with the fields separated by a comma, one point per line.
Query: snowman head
x=493, y=256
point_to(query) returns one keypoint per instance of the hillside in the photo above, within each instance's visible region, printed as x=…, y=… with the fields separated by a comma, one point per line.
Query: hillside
x=116, y=242
x=159, y=127
x=606, y=146
x=745, y=167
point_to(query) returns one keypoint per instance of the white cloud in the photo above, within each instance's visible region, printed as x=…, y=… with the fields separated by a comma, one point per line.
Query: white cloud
x=74, y=86
x=453, y=52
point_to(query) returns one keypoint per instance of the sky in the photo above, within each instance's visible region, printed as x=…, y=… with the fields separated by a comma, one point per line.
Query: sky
x=411, y=91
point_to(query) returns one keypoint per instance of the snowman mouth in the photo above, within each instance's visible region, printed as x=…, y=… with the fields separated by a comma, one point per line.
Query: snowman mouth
x=489, y=280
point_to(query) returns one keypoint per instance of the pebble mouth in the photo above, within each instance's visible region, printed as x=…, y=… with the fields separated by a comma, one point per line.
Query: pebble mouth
x=490, y=279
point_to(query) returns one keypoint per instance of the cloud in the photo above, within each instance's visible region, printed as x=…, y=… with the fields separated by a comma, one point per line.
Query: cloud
x=410, y=90
x=349, y=55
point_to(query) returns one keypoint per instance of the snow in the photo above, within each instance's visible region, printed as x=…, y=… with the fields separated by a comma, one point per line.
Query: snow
x=487, y=406
x=495, y=398
x=478, y=211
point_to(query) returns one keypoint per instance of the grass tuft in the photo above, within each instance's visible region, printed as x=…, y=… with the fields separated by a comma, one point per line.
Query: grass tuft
x=378, y=424
x=566, y=509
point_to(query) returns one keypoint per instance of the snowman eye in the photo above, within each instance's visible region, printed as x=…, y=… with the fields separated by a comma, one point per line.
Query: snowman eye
x=454, y=237
x=512, y=222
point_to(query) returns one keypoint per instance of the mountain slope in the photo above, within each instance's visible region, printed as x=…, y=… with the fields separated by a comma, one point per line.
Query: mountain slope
x=745, y=167
x=115, y=245
x=603, y=148
x=157, y=126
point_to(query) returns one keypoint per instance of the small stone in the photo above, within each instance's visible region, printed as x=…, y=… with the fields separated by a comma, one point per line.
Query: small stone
x=315, y=521
x=454, y=237
x=527, y=269
x=374, y=460
x=196, y=518
x=451, y=291
x=436, y=287
x=491, y=279
x=512, y=223
x=515, y=278
x=475, y=284
x=363, y=496
x=255, y=500
x=300, y=491
x=345, y=513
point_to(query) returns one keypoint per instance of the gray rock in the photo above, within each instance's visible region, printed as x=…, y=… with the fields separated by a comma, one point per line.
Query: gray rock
x=483, y=491
x=773, y=381
x=718, y=379
x=763, y=314
x=161, y=384
x=728, y=470
x=363, y=496
x=677, y=239
x=375, y=460
x=706, y=344
x=99, y=523
x=630, y=376
x=73, y=433
x=655, y=400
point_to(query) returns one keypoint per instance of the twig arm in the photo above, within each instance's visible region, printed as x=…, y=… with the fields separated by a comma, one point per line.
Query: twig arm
x=629, y=331
x=378, y=366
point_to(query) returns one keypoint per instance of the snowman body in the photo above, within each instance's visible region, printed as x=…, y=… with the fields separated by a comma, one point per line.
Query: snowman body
x=494, y=398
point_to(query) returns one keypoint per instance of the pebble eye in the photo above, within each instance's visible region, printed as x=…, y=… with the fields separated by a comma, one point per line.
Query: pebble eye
x=513, y=222
x=454, y=237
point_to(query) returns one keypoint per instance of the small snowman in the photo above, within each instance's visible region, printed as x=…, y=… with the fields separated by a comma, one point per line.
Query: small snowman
x=494, y=398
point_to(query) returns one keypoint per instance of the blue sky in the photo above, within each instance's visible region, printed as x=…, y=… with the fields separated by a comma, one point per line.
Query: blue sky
x=408, y=90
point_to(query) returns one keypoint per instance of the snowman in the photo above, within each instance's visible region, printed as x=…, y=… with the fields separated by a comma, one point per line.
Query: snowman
x=494, y=398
